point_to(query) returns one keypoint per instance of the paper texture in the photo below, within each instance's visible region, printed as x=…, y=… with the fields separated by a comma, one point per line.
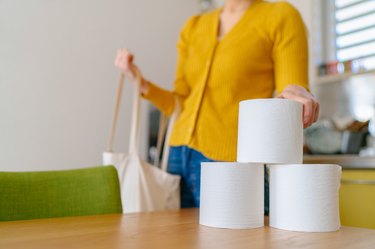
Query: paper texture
x=232, y=195
x=270, y=131
x=304, y=197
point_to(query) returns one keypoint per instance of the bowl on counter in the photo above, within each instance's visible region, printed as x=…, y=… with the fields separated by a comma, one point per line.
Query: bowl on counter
x=323, y=138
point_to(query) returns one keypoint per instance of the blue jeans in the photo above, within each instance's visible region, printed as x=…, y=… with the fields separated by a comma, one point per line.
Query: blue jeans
x=186, y=162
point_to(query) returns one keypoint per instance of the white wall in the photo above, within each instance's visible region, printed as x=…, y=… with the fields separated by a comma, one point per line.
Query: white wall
x=57, y=79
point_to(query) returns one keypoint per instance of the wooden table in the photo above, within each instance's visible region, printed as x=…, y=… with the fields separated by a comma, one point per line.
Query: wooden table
x=165, y=230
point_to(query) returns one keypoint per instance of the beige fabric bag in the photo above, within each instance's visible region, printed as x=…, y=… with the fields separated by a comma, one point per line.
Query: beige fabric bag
x=143, y=187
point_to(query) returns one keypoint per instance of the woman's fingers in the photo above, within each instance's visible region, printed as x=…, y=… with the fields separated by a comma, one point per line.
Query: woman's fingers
x=315, y=112
x=308, y=112
x=124, y=60
x=310, y=104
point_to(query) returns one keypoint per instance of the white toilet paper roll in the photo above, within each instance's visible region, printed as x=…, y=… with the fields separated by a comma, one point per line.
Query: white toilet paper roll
x=232, y=195
x=270, y=131
x=304, y=197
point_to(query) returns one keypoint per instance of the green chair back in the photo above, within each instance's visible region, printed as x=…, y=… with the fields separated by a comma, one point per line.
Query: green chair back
x=33, y=195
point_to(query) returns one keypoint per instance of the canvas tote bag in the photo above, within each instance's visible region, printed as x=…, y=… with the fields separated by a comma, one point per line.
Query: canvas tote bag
x=143, y=187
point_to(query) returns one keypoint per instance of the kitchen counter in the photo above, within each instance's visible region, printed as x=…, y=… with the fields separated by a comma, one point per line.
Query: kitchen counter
x=346, y=161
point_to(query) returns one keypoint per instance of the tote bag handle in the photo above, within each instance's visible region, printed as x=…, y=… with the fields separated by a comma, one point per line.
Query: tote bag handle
x=162, y=128
x=135, y=125
x=135, y=121
x=115, y=112
x=134, y=130
x=163, y=123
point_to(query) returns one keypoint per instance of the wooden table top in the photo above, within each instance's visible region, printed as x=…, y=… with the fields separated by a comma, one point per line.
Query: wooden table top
x=165, y=230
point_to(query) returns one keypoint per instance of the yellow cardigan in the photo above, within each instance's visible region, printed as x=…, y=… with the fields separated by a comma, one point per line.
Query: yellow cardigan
x=265, y=51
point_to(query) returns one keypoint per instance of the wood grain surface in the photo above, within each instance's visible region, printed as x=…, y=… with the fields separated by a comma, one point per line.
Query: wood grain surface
x=165, y=230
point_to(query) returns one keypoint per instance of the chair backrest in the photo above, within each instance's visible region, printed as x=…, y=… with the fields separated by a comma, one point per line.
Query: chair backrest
x=32, y=195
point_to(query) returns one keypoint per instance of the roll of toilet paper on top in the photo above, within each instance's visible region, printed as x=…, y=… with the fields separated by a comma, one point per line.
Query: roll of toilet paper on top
x=304, y=197
x=232, y=195
x=270, y=131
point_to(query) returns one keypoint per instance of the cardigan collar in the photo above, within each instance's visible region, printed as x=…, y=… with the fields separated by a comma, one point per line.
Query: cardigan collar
x=216, y=22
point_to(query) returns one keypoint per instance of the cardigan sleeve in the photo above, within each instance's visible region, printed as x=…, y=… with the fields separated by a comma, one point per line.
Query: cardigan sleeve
x=290, y=50
x=163, y=99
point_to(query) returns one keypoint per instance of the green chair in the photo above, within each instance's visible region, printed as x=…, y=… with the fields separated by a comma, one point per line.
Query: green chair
x=33, y=195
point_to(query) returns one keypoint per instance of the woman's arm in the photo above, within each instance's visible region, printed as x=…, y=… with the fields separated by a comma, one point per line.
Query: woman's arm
x=290, y=56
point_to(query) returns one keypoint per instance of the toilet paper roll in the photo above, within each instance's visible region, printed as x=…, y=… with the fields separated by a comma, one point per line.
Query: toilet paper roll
x=304, y=197
x=232, y=195
x=270, y=131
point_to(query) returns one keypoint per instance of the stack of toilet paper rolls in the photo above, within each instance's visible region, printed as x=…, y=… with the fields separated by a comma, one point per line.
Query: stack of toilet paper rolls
x=302, y=197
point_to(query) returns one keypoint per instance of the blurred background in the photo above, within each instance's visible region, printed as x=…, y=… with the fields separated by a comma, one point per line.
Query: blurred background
x=58, y=81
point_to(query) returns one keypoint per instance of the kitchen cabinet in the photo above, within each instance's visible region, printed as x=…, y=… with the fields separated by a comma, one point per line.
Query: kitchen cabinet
x=357, y=198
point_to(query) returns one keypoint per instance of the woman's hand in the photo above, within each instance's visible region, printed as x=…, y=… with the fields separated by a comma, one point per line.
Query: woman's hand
x=124, y=62
x=310, y=104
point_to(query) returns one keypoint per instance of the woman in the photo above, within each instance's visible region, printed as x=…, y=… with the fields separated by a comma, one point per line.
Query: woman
x=245, y=50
